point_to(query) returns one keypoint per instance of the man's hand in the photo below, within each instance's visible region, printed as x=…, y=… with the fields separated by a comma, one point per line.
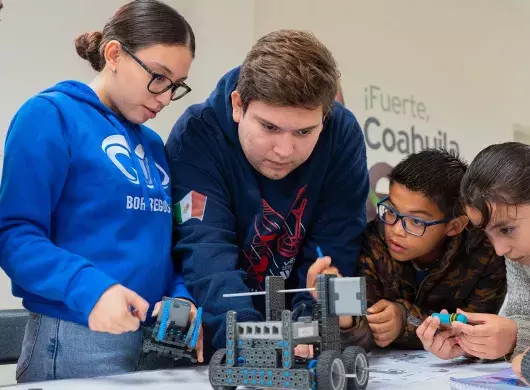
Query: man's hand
x=486, y=336
x=516, y=366
x=112, y=312
x=385, y=319
x=444, y=344
x=191, y=318
x=323, y=266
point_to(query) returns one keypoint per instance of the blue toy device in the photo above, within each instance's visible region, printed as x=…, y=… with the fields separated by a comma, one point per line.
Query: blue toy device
x=447, y=319
x=171, y=335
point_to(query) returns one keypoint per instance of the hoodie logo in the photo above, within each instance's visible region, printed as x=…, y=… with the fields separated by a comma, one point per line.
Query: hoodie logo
x=119, y=152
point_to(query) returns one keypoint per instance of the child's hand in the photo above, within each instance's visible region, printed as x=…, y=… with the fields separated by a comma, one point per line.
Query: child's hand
x=516, y=365
x=385, y=319
x=486, y=336
x=443, y=344
x=193, y=315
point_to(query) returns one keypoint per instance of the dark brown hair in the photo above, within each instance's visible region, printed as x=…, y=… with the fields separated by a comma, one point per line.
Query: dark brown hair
x=499, y=174
x=437, y=174
x=289, y=68
x=138, y=24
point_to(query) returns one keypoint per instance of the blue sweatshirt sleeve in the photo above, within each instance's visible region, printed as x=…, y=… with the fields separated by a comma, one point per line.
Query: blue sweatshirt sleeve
x=206, y=246
x=35, y=170
x=341, y=211
x=179, y=290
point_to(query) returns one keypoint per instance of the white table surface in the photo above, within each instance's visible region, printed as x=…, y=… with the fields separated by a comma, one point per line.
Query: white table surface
x=421, y=371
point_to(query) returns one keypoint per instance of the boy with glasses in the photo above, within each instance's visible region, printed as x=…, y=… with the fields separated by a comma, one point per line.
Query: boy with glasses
x=418, y=257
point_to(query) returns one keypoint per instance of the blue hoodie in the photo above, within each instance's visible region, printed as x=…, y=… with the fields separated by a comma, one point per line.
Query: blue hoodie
x=84, y=204
x=237, y=226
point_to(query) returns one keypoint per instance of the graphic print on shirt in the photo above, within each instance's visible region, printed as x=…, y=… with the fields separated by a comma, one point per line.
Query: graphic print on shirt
x=276, y=241
x=119, y=152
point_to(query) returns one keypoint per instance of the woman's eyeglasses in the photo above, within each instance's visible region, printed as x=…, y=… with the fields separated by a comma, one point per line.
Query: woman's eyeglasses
x=160, y=83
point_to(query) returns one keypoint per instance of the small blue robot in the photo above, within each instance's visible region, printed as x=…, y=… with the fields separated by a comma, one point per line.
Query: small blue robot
x=171, y=336
x=261, y=354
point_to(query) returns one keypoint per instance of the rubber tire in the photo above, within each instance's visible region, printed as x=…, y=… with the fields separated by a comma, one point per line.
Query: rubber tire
x=217, y=360
x=324, y=369
x=351, y=356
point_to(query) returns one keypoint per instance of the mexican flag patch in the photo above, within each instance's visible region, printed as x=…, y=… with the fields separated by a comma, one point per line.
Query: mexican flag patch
x=191, y=206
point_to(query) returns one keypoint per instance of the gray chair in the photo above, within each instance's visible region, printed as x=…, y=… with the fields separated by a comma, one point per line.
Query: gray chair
x=12, y=328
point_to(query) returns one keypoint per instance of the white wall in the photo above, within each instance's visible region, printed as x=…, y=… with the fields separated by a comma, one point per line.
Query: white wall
x=521, y=134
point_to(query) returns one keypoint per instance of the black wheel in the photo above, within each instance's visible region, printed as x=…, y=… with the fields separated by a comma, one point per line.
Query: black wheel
x=217, y=360
x=356, y=362
x=331, y=371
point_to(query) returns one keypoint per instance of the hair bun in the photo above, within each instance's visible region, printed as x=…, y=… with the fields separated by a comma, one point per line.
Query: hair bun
x=87, y=46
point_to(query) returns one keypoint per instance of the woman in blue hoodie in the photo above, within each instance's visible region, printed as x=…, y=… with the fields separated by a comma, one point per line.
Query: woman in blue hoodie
x=85, y=209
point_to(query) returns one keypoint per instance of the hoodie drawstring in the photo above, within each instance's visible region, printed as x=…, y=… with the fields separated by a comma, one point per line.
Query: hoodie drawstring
x=154, y=169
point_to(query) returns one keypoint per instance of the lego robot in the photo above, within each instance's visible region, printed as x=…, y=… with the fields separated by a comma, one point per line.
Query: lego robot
x=171, y=336
x=261, y=354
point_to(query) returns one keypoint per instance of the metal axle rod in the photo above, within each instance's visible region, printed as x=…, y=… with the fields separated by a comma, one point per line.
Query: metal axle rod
x=248, y=294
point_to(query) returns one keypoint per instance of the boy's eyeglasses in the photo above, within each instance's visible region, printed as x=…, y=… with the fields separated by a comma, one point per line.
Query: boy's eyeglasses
x=160, y=83
x=413, y=225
